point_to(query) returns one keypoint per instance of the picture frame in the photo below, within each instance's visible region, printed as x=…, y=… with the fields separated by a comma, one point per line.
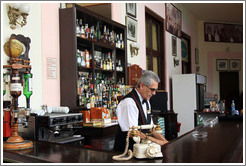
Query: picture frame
x=174, y=45
x=234, y=64
x=222, y=64
x=174, y=19
x=131, y=9
x=218, y=32
x=196, y=56
x=131, y=28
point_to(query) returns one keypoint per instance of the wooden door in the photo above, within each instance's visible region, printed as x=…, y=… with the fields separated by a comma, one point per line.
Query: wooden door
x=229, y=88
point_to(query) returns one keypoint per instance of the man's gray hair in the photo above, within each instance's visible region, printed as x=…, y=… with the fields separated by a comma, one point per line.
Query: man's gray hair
x=148, y=77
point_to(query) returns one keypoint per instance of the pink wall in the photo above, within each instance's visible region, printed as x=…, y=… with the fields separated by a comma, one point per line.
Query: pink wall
x=50, y=49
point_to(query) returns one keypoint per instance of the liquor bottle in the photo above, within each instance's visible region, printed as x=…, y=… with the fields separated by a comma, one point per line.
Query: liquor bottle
x=77, y=28
x=110, y=61
x=105, y=33
x=27, y=88
x=98, y=32
x=87, y=31
x=80, y=26
x=4, y=85
x=87, y=59
x=78, y=58
x=121, y=41
x=92, y=33
x=15, y=87
x=83, y=32
x=82, y=54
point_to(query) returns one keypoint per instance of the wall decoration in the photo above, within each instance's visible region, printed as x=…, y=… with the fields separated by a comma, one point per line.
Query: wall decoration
x=222, y=64
x=131, y=9
x=196, y=55
x=174, y=20
x=184, y=50
x=217, y=32
x=234, y=64
x=131, y=25
x=174, y=46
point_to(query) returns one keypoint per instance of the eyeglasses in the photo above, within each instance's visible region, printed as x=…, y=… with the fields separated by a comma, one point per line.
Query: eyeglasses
x=152, y=89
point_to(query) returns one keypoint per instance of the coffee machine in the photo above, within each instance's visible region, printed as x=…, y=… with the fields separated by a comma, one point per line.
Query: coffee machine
x=54, y=127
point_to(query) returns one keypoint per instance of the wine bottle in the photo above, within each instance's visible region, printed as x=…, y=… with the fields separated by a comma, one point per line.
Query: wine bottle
x=27, y=88
x=15, y=87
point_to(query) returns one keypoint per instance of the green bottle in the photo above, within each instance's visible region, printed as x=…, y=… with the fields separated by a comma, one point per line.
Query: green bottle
x=27, y=88
x=4, y=85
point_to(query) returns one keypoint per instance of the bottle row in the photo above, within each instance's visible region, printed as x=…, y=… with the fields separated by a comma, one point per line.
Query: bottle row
x=101, y=94
x=95, y=34
x=102, y=61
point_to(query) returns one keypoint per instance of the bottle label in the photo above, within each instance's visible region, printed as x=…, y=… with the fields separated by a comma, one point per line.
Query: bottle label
x=16, y=78
x=30, y=88
x=15, y=87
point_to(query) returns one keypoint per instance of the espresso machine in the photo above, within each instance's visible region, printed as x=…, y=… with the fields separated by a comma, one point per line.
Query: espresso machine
x=54, y=127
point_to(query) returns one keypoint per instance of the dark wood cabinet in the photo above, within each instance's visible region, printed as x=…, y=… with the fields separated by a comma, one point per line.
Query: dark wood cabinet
x=69, y=43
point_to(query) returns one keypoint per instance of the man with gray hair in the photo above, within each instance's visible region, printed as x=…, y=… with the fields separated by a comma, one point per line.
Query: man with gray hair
x=134, y=110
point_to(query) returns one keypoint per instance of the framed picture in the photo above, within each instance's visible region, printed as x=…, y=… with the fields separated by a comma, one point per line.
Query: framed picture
x=185, y=50
x=174, y=46
x=222, y=64
x=234, y=64
x=174, y=20
x=131, y=25
x=196, y=55
x=217, y=32
x=131, y=9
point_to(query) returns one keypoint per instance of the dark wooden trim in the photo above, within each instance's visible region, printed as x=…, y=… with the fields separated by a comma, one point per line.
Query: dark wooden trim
x=187, y=37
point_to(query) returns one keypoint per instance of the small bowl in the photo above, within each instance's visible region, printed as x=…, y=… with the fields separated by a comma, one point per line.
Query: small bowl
x=199, y=134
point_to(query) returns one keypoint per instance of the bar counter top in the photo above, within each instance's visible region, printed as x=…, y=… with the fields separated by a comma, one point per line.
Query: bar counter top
x=224, y=144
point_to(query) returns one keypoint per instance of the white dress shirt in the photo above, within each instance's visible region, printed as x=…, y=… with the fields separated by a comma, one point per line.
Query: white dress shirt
x=127, y=112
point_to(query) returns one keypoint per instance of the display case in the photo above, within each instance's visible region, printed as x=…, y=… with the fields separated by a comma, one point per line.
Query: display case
x=92, y=51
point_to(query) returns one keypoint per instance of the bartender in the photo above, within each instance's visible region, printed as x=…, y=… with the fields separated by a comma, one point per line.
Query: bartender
x=134, y=110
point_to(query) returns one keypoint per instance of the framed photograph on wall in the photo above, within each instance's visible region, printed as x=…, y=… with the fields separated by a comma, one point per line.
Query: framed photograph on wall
x=131, y=9
x=217, y=32
x=234, y=64
x=222, y=64
x=174, y=20
x=174, y=46
x=131, y=28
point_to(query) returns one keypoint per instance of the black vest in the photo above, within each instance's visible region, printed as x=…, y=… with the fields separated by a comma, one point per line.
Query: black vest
x=120, y=139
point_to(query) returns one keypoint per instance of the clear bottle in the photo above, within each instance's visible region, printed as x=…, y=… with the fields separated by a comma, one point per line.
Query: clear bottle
x=27, y=88
x=80, y=27
x=82, y=54
x=77, y=28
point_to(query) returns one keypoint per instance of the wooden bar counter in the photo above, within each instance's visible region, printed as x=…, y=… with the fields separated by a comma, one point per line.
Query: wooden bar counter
x=224, y=144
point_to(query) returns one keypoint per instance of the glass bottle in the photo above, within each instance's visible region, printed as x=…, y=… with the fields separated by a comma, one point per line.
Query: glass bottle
x=77, y=27
x=15, y=87
x=78, y=58
x=80, y=26
x=4, y=85
x=27, y=88
x=98, y=32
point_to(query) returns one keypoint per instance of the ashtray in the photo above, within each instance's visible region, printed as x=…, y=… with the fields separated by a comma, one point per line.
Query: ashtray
x=199, y=134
